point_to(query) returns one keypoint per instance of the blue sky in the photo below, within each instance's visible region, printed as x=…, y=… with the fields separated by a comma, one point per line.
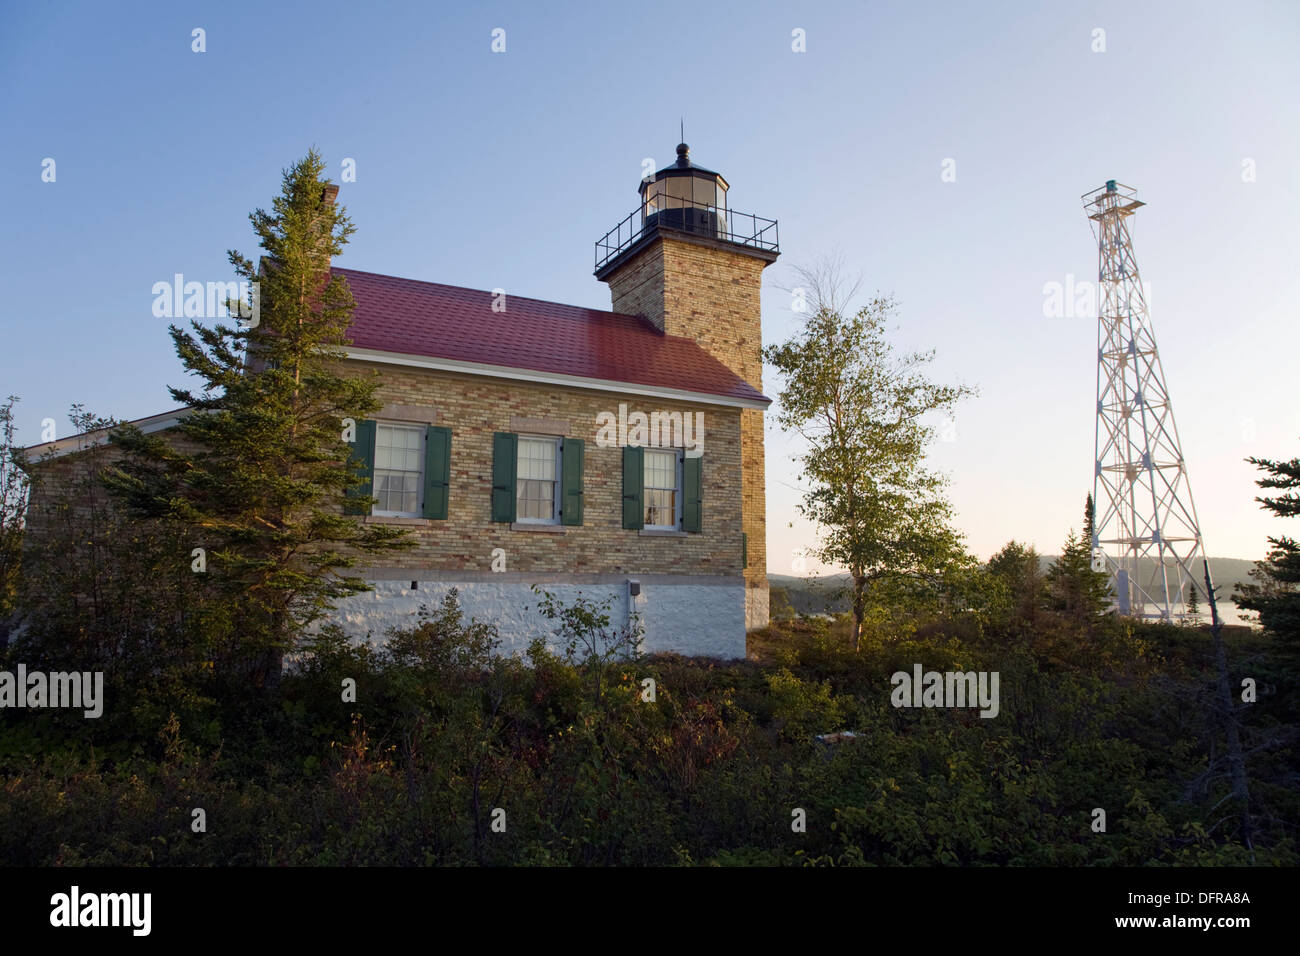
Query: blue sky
x=491, y=170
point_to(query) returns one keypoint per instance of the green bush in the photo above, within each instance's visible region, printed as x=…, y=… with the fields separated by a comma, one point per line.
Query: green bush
x=444, y=735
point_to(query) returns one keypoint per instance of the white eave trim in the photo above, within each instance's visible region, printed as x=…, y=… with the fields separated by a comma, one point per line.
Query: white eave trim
x=549, y=378
x=63, y=446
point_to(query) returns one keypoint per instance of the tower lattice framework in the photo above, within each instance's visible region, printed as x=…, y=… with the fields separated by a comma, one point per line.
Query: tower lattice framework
x=1145, y=535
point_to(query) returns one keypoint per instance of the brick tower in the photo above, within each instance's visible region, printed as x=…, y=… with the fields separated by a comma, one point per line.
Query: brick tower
x=693, y=268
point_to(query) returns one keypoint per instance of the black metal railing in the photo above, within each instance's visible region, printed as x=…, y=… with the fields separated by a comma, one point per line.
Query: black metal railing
x=661, y=211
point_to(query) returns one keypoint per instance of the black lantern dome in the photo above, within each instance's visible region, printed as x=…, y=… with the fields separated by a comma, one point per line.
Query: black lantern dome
x=690, y=202
x=685, y=196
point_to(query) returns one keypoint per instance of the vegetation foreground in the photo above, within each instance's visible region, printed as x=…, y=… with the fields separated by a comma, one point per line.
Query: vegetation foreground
x=443, y=736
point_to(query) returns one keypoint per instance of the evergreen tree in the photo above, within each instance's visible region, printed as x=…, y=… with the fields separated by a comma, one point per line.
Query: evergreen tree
x=1017, y=567
x=1275, y=595
x=259, y=468
x=103, y=590
x=1089, y=520
x=1193, y=600
x=14, y=485
x=1073, y=586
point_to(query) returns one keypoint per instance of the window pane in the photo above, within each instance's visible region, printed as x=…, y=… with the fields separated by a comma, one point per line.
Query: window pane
x=661, y=488
x=536, y=499
x=537, y=459
x=399, y=452
x=661, y=507
x=536, y=478
x=677, y=188
x=660, y=469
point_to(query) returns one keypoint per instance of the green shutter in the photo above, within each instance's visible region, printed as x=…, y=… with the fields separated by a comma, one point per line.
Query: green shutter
x=744, y=550
x=571, y=454
x=363, y=453
x=692, y=494
x=633, y=488
x=504, y=448
x=437, y=470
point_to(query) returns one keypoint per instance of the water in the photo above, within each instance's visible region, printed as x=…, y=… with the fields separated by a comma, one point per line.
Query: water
x=1229, y=613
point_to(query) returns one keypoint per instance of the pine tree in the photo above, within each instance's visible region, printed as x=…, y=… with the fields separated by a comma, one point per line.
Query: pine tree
x=1193, y=601
x=1073, y=586
x=1089, y=520
x=1016, y=566
x=259, y=469
x=14, y=485
x=1275, y=595
x=103, y=590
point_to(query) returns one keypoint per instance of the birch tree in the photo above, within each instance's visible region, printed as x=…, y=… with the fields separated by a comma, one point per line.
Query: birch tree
x=866, y=415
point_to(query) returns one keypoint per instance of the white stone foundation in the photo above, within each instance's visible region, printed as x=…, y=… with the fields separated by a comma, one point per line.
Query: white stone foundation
x=757, y=608
x=678, y=614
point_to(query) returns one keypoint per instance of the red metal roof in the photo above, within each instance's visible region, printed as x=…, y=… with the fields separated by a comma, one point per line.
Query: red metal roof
x=444, y=321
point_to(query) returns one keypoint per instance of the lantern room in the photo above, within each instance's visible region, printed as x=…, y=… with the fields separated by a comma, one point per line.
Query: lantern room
x=690, y=203
x=685, y=196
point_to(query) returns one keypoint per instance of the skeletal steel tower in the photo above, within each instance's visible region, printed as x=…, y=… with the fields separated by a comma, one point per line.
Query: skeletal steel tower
x=1145, y=531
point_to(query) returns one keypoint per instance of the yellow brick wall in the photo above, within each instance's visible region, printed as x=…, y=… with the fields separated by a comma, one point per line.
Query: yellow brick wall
x=710, y=294
x=477, y=407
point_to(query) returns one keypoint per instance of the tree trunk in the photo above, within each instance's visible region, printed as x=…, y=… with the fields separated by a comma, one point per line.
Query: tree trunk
x=859, y=607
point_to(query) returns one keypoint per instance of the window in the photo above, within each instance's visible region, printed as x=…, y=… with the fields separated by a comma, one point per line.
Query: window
x=677, y=190
x=707, y=192
x=538, y=480
x=398, y=476
x=663, y=499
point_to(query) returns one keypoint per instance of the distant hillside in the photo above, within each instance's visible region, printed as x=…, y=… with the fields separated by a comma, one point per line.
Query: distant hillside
x=814, y=595
x=1227, y=573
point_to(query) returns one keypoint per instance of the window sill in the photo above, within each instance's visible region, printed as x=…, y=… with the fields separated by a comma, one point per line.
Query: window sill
x=656, y=533
x=545, y=528
x=399, y=519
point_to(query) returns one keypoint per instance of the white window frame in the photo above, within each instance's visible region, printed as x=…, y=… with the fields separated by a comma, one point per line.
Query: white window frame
x=556, y=441
x=678, y=491
x=419, y=485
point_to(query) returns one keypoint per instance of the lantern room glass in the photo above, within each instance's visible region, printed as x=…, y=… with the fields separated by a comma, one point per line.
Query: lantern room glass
x=681, y=192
